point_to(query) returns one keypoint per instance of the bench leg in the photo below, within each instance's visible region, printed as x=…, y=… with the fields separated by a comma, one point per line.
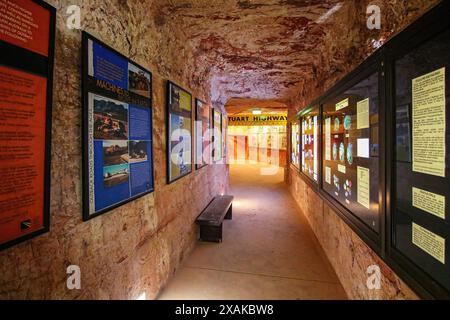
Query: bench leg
x=211, y=233
x=229, y=215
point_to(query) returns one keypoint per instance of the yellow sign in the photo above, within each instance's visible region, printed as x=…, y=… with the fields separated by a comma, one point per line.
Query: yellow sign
x=363, y=195
x=363, y=114
x=428, y=115
x=429, y=202
x=258, y=120
x=429, y=242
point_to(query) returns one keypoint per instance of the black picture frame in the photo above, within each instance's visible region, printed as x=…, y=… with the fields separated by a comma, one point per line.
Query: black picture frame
x=199, y=118
x=86, y=216
x=168, y=132
x=21, y=59
x=304, y=113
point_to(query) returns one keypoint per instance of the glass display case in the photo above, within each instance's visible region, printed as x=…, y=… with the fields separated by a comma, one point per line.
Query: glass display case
x=420, y=216
x=310, y=143
x=351, y=150
x=295, y=144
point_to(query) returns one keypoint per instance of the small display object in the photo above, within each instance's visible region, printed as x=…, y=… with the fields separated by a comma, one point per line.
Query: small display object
x=217, y=151
x=203, y=132
x=350, y=150
x=295, y=144
x=310, y=143
x=27, y=41
x=179, y=132
x=118, y=159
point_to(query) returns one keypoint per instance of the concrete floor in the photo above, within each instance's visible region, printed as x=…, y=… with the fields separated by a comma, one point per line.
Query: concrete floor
x=268, y=250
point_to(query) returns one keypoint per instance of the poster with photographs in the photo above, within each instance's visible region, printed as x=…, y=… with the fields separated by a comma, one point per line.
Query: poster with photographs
x=118, y=162
x=218, y=143
x=203, y=139
x=179, y=140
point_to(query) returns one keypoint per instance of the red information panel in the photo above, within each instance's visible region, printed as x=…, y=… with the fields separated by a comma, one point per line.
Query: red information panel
x=27, y=29
x=22, y=153
x=26, y=24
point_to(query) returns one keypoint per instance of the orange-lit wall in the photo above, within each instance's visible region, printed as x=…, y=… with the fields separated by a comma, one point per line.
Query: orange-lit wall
x=264, y=144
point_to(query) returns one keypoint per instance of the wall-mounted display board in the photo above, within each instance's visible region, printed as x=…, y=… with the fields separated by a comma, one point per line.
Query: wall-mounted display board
x=179, y=132
x=27, y=38
x=295, y=144
x=217, y=139
x=117, y=133
x=420, y=214
x=310, y=143
x=351, y=150
x=203, y=131
x=224, y=136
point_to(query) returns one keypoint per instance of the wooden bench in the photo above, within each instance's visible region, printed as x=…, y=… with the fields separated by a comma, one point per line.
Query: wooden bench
x=211, y=219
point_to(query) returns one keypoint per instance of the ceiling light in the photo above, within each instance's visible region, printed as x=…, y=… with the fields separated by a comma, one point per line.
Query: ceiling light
x=257, y=111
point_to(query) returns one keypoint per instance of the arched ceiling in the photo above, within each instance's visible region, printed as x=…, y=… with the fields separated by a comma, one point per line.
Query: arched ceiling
x=280, y=49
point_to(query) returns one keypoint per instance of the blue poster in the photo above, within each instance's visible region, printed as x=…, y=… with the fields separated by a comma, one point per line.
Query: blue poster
x=119, y=156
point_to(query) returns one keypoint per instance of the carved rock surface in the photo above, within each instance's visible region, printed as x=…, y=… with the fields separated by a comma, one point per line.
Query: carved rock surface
x=288, y=50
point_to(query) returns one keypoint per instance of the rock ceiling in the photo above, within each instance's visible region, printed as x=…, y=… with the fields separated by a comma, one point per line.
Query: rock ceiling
x=280, y=49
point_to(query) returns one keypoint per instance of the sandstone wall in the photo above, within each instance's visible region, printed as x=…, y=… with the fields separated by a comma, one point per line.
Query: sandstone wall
x=348, y=254
x=134, y=249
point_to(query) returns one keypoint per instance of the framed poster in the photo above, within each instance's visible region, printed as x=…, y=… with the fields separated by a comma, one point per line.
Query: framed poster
x=295, y=144
x=179, y=132
x=117, y=129
x=203, y=126
x=26, y=82
x=217, y=140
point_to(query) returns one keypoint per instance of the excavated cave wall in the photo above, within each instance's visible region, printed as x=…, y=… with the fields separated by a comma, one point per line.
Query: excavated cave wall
x=135, y=248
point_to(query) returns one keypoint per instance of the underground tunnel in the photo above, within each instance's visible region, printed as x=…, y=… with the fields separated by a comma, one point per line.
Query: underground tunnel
x=224, y=150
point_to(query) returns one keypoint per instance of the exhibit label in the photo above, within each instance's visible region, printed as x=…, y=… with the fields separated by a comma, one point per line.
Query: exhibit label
x=363, y=114
x=428, y=108
x=429, y=242
x=328, y=175
x=363, y=195
x=429, y=202
x=343, y=104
